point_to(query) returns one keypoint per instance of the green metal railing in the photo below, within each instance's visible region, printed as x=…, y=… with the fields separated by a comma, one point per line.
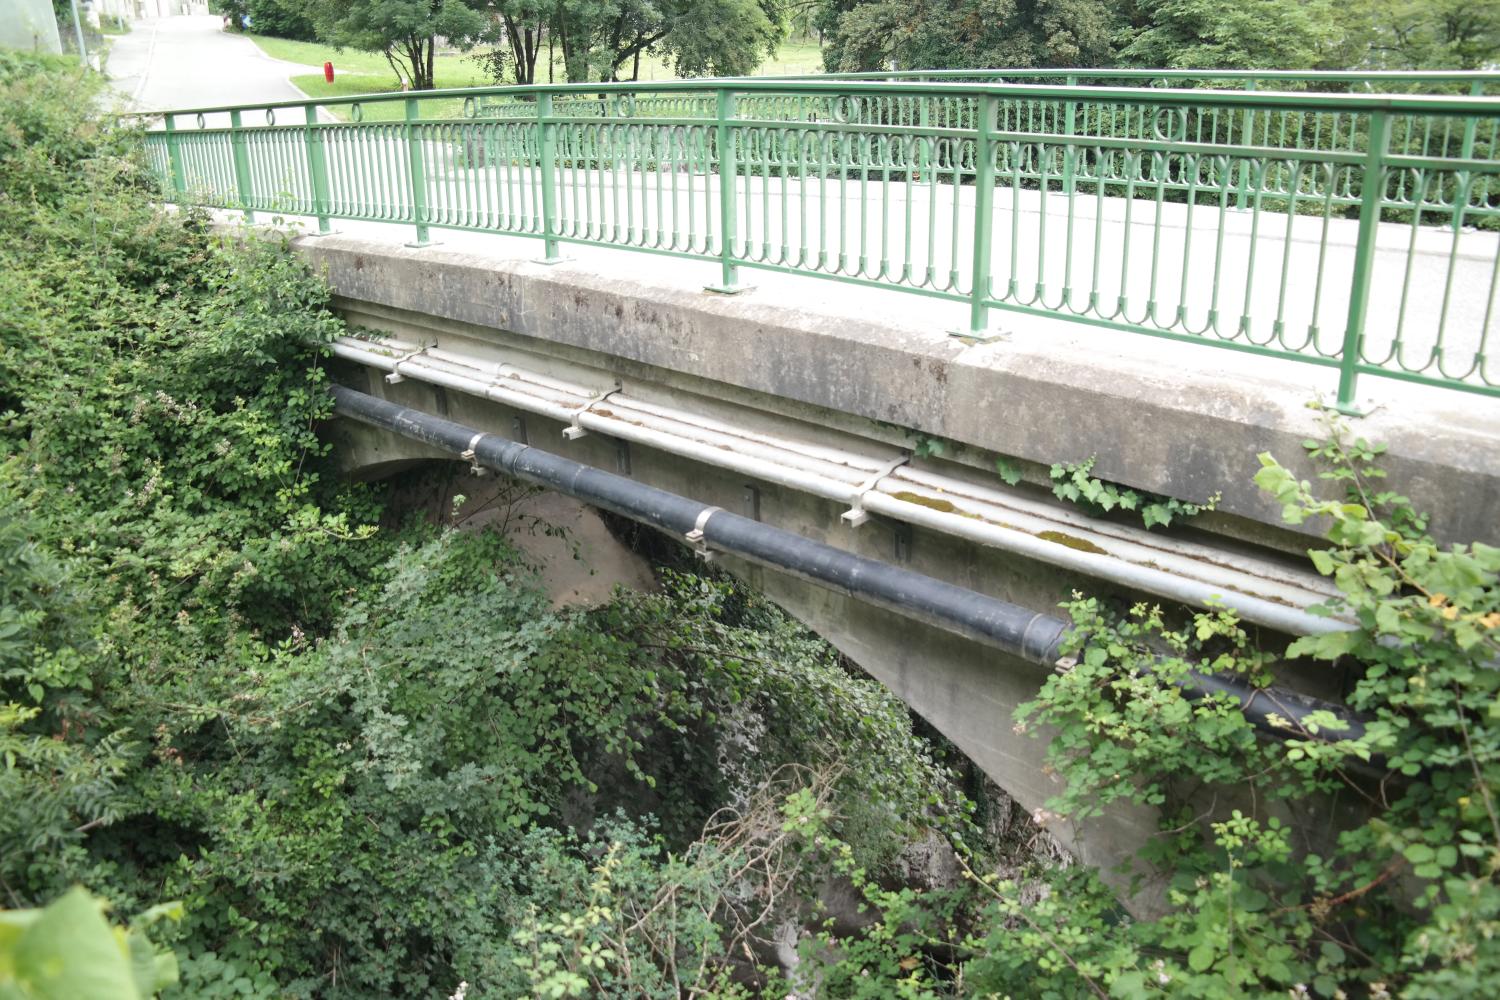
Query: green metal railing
x=1356, y=232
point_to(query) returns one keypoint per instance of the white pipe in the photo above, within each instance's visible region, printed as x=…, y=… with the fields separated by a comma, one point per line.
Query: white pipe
x=823, y=453
x=1075, y=519
x=1269, y=596
x=843, y=472
x=782, y=475
x=1279, y=616
x=1118, y=546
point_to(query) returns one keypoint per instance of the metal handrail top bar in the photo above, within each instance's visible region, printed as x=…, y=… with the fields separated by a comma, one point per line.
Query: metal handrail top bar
x=1293, y=75
x=1415, y=104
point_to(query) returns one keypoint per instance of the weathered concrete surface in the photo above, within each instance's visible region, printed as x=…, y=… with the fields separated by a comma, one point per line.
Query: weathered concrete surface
x=1048, y=394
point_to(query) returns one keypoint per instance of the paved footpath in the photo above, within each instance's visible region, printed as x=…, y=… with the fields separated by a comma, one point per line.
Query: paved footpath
x=190, y=61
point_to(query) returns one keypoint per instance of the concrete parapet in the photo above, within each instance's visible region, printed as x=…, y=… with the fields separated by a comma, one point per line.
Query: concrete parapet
x=1186, y=423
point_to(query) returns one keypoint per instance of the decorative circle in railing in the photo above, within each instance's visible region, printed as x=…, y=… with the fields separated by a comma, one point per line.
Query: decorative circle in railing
x=624, y=106
x=842, y=108
x=471, y=108
x=1170, y=124
x=270, y=116
x=202, y=122
x=356, y=112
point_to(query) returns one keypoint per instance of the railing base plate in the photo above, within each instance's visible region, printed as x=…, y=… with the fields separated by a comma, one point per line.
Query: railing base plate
x=727, y=289
x=549, y=261
x=422, y=244
x=980, y=336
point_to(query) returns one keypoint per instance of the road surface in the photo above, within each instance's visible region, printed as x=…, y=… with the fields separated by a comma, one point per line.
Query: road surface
x=190, y=62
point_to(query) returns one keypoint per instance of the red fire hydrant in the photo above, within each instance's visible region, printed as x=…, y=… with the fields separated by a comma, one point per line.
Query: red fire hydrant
x=328, y=71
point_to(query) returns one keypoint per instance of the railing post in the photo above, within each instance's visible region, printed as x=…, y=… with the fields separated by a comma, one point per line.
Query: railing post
x=1070, y=151
x=1471, y=124
x=984, y=204
x=241, y=164
x=417, y=167
x=728, y=174
x=317, y=170
x=1372, y=193
x=1247, y=126
x=546, y=137
x=174, y=159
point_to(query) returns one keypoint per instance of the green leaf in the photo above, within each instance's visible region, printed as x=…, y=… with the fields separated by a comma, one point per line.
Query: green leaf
x=1418, y=853
x=71, y=953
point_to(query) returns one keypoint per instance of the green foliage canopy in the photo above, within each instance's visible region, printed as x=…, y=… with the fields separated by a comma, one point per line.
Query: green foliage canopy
x=867, y=35
x=363, y=758
x=406, y=31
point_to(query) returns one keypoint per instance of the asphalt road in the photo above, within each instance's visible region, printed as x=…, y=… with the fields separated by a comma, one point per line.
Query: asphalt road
x=189, y=61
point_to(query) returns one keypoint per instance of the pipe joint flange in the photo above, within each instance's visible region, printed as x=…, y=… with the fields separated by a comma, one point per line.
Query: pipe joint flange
x=695, y=537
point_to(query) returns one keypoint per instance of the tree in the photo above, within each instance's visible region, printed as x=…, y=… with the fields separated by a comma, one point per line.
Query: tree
x=281, y=19
x=1234, y=34
x=1424, y=34
x=520, y=26
x=867, y=35
x=604, y=40
x=722, y=37
x=405, y=31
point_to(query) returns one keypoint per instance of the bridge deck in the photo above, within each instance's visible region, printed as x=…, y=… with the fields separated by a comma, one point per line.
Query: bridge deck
x=1421, y=284
x=1332, y=229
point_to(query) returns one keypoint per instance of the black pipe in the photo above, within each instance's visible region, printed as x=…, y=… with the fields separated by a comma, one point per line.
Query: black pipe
x=1018, y=631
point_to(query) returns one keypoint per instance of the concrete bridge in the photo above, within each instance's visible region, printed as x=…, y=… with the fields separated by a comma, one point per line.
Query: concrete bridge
x=845, y=414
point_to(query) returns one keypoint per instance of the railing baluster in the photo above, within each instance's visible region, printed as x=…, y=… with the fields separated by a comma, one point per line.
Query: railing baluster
x=1466, y=150
x=1372, y=193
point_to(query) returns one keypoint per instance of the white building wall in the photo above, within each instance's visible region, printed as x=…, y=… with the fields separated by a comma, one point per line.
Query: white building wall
x=29, y=25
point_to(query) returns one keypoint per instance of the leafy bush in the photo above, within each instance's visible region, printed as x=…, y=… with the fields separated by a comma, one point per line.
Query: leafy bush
x=1398, y=894
x=366, y=761
x=281, y=19
x=1075, y=484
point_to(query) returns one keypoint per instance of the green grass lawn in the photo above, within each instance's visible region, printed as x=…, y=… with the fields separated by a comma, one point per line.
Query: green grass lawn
x=357, y=73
